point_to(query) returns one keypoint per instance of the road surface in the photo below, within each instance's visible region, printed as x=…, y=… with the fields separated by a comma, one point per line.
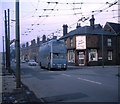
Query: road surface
x=94, y=84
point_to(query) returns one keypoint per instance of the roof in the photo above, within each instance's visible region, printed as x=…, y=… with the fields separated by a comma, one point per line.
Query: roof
x=114, y=26
x=88, y=30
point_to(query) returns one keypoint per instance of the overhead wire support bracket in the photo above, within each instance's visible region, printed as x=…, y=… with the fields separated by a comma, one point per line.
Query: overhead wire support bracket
x=47, y=9
x=52, y=2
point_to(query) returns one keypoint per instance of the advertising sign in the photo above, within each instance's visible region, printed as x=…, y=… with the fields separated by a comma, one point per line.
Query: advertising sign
x=80, y=42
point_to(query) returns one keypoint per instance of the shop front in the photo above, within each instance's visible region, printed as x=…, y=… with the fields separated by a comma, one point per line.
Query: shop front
x=81, y=50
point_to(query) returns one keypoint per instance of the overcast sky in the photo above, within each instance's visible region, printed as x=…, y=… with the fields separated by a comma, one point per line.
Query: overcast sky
x=46, y=17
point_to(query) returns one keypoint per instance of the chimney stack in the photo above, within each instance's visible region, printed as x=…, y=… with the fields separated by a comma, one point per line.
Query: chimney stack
x=44, y=38
x=31, y=42
x=92, y=21
x=78, y=25
x=27, y=44
x=65, y=28
x=34, y=42
x=38, y=40
x=23, y=45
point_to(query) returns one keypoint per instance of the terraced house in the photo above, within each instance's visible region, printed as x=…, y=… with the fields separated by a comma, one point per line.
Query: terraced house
x=93, y=45
x=87, y=45
x=114, y=28
x=31, y=51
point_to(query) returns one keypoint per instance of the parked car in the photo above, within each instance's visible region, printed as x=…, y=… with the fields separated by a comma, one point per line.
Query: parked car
x=26, y=60
x=32, y=63
x=22, y=61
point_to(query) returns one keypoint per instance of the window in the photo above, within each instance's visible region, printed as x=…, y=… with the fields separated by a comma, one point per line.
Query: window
x=109, y=42
x=71, y=42
x=93, y=55
x=59, y=55
x=109, y=55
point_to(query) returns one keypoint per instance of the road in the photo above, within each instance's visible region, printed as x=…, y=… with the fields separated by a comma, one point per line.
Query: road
x=93, y=84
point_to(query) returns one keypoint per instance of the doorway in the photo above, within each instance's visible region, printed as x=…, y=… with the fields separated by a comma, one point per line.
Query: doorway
x=81, y=58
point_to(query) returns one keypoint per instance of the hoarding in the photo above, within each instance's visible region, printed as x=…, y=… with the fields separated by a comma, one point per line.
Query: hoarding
x=80, y=42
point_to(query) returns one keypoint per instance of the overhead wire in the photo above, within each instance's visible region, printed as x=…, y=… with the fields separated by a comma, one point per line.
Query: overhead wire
x=42, y=16
x=86, y=18
x=46, y=15
x=83, y=19
x=31, y=13
x=33, y=24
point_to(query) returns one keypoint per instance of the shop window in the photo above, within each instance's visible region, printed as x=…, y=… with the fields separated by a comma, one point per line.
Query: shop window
x=71, y=56
x=109, y=42
x=109, y=55
x=93, y=55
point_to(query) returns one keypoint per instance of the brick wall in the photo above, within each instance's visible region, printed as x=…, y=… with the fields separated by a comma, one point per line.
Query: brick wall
x=92, y=41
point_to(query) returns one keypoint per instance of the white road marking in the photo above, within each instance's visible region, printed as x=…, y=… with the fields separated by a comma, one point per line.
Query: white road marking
x=83, y=79
x=51, y=71
x=89, y=80
x=66, y=75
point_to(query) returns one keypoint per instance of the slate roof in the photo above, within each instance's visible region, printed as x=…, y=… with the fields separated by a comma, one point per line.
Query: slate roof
x=88, y=30
x=114, y=26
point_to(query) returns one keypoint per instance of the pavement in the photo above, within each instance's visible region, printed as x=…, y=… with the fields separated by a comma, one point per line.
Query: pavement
x=11, y=94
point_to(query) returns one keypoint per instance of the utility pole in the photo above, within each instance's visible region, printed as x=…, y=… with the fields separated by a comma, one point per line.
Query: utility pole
x=3, y=54
x=9, y=67
x=6, y=42
x=18, y=77
x=102, y=51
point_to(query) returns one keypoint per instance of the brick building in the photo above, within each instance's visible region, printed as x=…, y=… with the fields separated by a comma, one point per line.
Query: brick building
x=115, y=29
x=31, y=51
x=87, y=45
x=90, y=45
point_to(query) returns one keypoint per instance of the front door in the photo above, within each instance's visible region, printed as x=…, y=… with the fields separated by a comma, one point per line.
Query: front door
x=81, y=58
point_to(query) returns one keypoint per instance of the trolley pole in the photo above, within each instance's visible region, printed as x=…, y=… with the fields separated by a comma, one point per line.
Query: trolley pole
x=18, y=77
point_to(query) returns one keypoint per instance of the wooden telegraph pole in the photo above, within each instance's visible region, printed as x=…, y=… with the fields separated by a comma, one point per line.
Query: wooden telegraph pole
x=18, y=77
x=8, y=40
